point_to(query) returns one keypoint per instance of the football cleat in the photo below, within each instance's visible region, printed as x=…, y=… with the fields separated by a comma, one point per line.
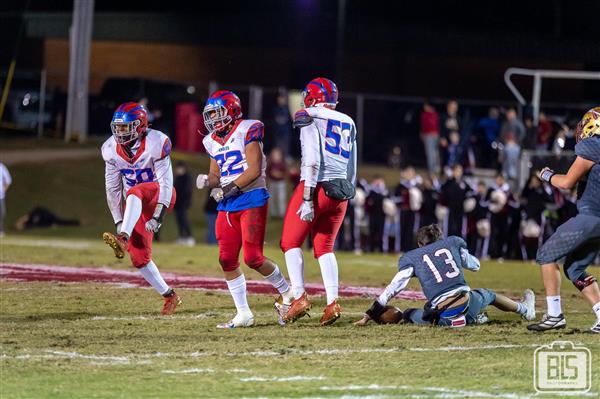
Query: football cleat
x=245, y=319
x=331, y=313
x=172, y=300
x=281, y=309
x=549, y=323
x=529, y=303
x=596, y=327
x=482, y=318
x=117, y=242
x=298, y=309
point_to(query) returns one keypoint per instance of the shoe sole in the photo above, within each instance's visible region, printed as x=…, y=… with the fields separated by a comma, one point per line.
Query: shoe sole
x=549, y=329
x=332, y=320
x=298, y=316
x=225, y=326
x=111, y=241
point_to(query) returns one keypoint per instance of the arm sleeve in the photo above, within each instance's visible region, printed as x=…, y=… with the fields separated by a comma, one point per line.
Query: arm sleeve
x=399, y=282
x=469, y=261
x=164, y=176
x=114, y=191
x=311, y=154
x=351, y=171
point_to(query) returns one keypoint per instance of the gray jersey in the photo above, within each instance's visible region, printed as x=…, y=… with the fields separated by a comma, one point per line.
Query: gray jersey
x=438, y=266
x=589, y=190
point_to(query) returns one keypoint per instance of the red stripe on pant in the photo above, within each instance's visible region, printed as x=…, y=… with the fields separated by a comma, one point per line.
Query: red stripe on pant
x=329, y=215
x=140, y=242
x=241, y=230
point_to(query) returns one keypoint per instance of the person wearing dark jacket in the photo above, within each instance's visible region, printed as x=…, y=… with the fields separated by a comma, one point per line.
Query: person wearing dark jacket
x=453, y=196
x=183, y=185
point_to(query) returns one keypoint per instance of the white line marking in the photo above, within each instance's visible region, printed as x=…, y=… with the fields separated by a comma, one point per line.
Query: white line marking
x=283, y=379
x=62, y=244
x=188, y=371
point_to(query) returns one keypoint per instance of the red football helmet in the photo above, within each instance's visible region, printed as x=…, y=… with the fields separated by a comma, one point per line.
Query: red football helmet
x=222, y=108
x=129, y=122
x=320, y=91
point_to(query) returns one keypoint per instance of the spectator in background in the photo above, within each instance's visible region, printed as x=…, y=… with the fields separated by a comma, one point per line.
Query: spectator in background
x=453, y=149
x=430, y=134
x=395, y=157
x=534, y=198
x=513, y=125
x=294, y=176
x=453, y=197
x=451, y=121
x=530, y=134
x=374, y=209
x=430, y=200
x=276, y=173
x=183, y=186
x=544, y=133
x=283, y=125
x=210, y=213
x=489, y=128
x=5, y=182
x=43, y=217
x=510, y=156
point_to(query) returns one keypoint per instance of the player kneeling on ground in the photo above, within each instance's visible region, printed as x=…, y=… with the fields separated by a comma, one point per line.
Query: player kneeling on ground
x=578, y=239
x=237, y=179
x=438, y=264
x=138, y=165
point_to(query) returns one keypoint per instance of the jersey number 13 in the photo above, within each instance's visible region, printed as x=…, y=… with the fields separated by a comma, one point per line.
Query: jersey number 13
x=448, y=259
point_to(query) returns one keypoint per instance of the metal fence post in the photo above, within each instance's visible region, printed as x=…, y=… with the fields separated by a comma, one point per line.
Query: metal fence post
x=42, y=106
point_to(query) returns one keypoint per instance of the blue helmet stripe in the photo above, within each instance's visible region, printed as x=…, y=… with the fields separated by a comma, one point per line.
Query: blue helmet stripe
x=323, y=89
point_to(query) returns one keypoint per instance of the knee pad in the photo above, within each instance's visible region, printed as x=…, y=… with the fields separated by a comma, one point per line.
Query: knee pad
x=229, y=265
x=584, y=280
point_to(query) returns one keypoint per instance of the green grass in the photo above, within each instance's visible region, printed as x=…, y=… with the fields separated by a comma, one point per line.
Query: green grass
x=91, y=340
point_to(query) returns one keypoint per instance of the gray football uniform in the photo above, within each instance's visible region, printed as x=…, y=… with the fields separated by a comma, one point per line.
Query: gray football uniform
x=578, y=239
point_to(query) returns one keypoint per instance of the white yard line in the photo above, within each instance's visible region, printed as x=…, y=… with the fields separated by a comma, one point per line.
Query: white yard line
x=188, y=371
x=62, y=244
x=283, y=379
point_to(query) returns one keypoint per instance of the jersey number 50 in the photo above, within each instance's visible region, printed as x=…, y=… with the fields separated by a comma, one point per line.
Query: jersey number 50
x=141, y=176
x=339, y=132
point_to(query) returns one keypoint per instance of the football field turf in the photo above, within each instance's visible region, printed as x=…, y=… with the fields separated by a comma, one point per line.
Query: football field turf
x=88, y=340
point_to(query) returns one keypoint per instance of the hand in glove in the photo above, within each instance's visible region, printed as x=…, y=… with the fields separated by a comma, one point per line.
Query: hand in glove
x=154, y=224
x=217, y=194
x=306, y=211
x=202, y=181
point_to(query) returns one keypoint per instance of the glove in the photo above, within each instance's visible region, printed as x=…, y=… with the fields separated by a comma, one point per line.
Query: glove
x=202, y=181
x=375, y=311
x=217, y=194
x=306, y=211
x=154, y=224
x=231, y=190
x=546, y=174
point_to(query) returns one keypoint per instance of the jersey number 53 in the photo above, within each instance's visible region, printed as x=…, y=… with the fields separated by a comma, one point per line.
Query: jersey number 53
x=338, y=136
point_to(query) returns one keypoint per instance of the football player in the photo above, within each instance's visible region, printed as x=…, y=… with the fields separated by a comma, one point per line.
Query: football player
x=237, y=179
x=438, y=265
x=318, y=204
x=578, y=239
x=138, y=168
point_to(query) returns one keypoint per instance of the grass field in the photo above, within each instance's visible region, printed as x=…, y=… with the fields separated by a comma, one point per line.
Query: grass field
x=89, y=340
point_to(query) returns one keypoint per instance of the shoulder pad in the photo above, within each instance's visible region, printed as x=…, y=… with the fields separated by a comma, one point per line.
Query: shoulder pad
x=302, y=119
x=589, y=149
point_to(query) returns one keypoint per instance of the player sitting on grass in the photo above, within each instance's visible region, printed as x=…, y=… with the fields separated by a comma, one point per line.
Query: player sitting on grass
x=438, y=264
x=578, y=239
x=138, y=165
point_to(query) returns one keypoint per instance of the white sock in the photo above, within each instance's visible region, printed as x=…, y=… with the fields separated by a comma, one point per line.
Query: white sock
x=278, y=282
x=153, y=277
x=596, y=309
x=133, y=210
x=295, y=265
x=237, y=288
x=554, y=308
x=329, y=271
x=521, y=308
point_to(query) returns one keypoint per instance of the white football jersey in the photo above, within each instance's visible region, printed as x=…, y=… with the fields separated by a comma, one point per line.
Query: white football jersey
x=230, y=152
x=150, y=163
x=329, y=143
